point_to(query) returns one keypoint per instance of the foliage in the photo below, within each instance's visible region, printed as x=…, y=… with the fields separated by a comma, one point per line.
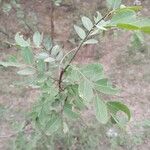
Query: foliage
x=138, y=43
x=68, y=89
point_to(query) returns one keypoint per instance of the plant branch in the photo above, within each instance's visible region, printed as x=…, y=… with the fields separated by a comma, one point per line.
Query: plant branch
x=79, y=47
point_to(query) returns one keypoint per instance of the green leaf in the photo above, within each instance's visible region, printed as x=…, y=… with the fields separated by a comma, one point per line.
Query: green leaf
x=114, y=4
x=85, y=90
x=47, y=42
x=53, y=125
x=27, y=55
x=141, y=22
x=101, y=111
x=49, y=60
x=73, y=75
x=98, y=17
x=27, y=71
x=20, y=41
x=135, y=8
x=41, y=66
x=146, y=29
x=78, y=102
x=123, y=17
x=37, y=39
x=81, y=33
x=87, y=23
x=115, y=106
x=103, y=82
x=55, y=50
x=93, y=72
x=91, y=41
x=127, y=26
x=139, y=36
x=101, y=25
x=42, y=55
x=106, y=89
x=10, y=64
x=69, y=112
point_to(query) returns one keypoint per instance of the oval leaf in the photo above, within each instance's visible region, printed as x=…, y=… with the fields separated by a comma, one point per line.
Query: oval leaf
x=91, y=41
x=106, y=89
x=81, y=33
x=37, y=39
x=47, y=42
x=85, y=90
x=42, y=55
x=122, y=16
x=10, y=64
x=101, y=111
x=115, y=106
x=87, y=23
x=55, y=50
x=49, y=60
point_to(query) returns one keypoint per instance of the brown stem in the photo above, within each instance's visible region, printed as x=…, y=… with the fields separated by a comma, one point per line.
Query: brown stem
x=60, y=79
x=52, y=20
x=78, y=49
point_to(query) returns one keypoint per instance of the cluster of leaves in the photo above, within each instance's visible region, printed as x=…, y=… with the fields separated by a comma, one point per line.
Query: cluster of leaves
x=67, y=89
